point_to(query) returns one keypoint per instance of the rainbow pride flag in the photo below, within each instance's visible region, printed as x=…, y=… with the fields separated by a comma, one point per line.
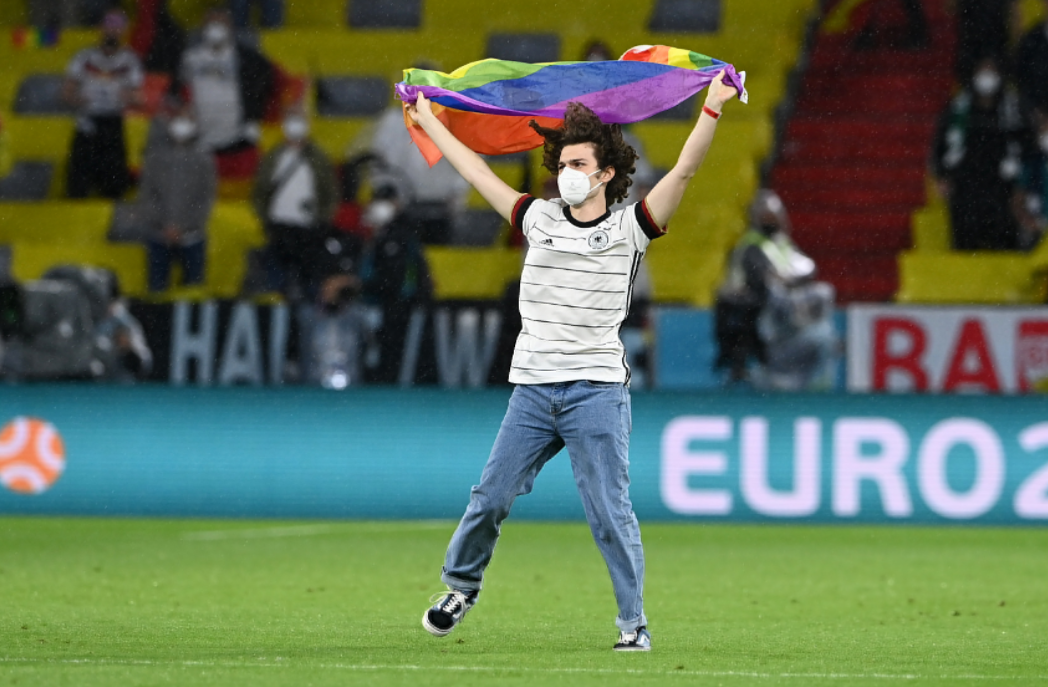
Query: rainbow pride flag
x=488, y=104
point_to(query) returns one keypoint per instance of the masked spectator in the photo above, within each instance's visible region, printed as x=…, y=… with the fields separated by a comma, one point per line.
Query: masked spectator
x=396, y=277
x=100, y=82
x=295, y=196
x=178, y=191
x=977, y=160
x=333, y=323
x=770, y=309
x=230, y=86
x=435, y=196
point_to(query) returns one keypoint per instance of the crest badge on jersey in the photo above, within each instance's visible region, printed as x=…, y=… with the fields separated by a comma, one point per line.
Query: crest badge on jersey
x=598, y=240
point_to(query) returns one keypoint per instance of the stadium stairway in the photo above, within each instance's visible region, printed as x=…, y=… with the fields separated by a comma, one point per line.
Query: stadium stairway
x=852, y=165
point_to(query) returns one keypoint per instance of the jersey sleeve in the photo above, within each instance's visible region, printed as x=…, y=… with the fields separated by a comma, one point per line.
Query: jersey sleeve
x=75, y=68
x=519, y=217
x=136, y=76
x=642, y=227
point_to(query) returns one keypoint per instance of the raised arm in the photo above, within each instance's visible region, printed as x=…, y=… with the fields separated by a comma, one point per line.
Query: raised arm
x=471, y=166
x=664, y=199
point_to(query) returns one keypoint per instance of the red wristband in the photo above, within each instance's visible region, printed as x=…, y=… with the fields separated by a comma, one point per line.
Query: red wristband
x=711, y=112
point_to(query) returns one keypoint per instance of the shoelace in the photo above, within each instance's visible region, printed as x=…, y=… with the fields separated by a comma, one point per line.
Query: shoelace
x=628, y=637
x=453, y=600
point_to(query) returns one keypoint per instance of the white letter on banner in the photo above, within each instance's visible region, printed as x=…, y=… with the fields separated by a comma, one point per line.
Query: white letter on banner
x=1031, y=500
x=242, y=352
x=186, y=345
x=989, y=469
x=679, y=462
x=851, y=467
x=753, y=455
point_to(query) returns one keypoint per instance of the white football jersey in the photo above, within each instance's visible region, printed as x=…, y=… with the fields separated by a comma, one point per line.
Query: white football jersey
x=575, y=291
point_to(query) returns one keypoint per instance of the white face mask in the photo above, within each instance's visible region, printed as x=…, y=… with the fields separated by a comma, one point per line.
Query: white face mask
x=216, y=33
x=296, y=128
x=181, y=129
x=986, y=82
x=574, y=185
x=380, y=213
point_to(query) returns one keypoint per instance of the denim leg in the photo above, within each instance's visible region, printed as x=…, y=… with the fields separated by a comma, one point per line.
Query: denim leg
x=159, y=265
x=595, y=424
x=526, y=440
x=192, y=258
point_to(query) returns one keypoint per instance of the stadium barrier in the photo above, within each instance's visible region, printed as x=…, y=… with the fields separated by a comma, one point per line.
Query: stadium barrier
x=385, y=453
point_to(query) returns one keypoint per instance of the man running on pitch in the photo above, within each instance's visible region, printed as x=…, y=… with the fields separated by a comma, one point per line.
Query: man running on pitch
x=569, y=366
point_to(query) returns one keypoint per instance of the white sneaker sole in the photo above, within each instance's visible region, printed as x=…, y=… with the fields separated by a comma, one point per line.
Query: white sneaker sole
x=631, y=648
x=433, y=629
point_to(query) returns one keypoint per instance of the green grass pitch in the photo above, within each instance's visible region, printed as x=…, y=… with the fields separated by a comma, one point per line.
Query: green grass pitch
x=159, y=602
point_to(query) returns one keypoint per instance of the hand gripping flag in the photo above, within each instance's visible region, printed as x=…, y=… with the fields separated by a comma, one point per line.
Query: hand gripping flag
x=488, y=104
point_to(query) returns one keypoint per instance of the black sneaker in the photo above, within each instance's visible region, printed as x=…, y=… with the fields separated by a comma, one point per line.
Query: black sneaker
x=638, y=640
x=448, y=611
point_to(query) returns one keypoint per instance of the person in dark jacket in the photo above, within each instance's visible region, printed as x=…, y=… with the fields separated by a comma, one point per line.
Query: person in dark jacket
x=977, y=160
x=396, y=277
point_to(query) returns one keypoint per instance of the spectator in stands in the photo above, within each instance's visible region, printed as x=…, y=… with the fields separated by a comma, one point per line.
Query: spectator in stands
x=396, y=276
x=100, y=82
x=271, y=13
x=1031, y=69
x=230, y=86
x=983, y=28
x=295, y=197
x=122, y=347
x=770, y=309
x=178, y=190
x=1034, y=211
x=333, y=326
x=434, y=197
x=977, y=160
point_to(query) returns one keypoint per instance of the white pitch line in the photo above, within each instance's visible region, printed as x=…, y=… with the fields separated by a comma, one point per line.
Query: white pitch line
x=280, y=662
x=309, y=530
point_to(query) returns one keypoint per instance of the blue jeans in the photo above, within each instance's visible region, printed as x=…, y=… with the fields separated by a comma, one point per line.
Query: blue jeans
x=161, y=255
x=593, y=420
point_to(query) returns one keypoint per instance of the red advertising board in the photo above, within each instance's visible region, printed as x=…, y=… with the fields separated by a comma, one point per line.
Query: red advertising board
x=948, y=350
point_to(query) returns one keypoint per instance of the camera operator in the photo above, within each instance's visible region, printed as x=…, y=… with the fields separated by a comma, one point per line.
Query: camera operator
x=70, y=325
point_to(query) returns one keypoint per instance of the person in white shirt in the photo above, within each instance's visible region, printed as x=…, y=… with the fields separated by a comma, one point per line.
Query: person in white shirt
x=295, y=197
x=569, y=367
x=230, y=86
x=100, y=82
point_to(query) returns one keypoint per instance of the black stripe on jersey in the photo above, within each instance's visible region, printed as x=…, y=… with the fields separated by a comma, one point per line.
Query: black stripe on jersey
x=519, y=210
x=572, y=324
x=558, y=369
x=568, y=269
x=565, y=305
x=528, y=350
x=573, y=288
x=647, y=223
x=602, y=343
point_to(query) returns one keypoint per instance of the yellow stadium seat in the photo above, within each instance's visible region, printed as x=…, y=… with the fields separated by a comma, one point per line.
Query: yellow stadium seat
x=971, y=278
x=472, y=273
x=31, y=260
x=68, y=223
x=931, y=229
x=40, y=138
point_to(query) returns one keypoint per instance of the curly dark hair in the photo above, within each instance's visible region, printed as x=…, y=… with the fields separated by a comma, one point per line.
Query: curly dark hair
x=581, y=125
